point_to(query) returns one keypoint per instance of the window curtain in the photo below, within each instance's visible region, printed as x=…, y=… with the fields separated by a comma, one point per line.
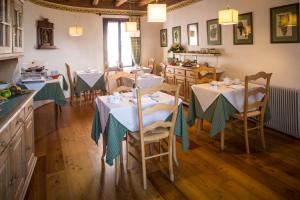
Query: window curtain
x=136, y=42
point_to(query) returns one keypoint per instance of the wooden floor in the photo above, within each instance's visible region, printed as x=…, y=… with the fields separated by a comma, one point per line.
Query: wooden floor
x=70, y=167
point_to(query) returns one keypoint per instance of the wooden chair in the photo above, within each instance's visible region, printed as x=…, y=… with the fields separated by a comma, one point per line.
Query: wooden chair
x=163, y=68
x=204, y=74
x=256, y=109
x=151, y=65
x=157, y=131
x=117, y=78
x=71, y=83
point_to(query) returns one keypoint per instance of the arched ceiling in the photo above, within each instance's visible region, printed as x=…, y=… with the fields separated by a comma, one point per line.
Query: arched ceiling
x=119, y=7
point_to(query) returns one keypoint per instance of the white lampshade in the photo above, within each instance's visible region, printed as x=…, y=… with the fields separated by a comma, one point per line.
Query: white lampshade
x=130, y=27
x=157, y=12
x=135, y=34
x=228, y=17
x=75, y=31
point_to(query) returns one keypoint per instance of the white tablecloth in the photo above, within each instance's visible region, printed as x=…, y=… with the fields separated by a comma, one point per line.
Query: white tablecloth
x=135, y=69
x=90, y=77
x=39, y=85
x=145, y=81
x=126, y=111
x=207, y=94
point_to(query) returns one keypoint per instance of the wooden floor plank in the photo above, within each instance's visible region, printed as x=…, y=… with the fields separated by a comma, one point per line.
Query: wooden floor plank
x=70, y=167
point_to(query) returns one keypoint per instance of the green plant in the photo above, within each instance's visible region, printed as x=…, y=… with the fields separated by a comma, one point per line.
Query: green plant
x=176, y=48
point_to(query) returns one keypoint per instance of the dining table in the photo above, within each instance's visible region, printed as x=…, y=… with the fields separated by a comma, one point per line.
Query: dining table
x=137, y=69
x=113, y=120
x=217, y=103
x=88, y=80
x=50, y=89
x=144, y=80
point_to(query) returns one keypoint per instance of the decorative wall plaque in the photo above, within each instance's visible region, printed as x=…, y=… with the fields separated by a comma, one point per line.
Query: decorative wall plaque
x=45, y=37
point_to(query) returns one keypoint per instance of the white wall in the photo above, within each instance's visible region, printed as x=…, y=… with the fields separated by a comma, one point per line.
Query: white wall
x=79, y=52
x=239, y=60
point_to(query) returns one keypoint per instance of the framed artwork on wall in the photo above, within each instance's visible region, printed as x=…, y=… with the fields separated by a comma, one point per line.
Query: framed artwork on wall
x=243, y=31
x=163, y=37
x=285, y=24
x=192, y=32
x=176, y=35
x=214, y=32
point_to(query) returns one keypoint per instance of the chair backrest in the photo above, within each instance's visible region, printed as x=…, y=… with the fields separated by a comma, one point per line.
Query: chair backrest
x=151, y=64
x=71, y=83
x=204, y=74
x=163, y=68
x=118, y=78
x=173, y=108
x=257, y=105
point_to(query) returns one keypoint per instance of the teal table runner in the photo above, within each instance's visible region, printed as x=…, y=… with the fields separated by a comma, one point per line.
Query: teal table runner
x=115, y=131
x=81, y=85
x=217, y=113
x=51, y=91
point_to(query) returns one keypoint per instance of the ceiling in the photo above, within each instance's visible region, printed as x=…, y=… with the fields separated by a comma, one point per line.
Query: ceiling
x=119, y=7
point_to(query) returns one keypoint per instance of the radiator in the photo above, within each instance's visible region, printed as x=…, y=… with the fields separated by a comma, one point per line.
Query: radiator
x=284, y=105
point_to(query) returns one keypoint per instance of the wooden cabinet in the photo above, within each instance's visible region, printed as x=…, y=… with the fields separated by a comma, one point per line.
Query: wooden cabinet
x=29, y=142
x=5, y=27
x=184, y=76
x=11, y=28
x=4, y=176
x=17, y=167
x=17, y=160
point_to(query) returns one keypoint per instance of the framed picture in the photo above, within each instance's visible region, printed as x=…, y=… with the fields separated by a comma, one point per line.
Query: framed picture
x=285, y=24
x=192, y=32
x=176, y=35
x=243, y=31
x=214, y=32
x=163, y=37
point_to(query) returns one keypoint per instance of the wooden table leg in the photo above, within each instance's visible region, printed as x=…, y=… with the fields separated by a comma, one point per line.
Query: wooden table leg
x=56, y=115
x=200, y=125
x=222, y=139
x=117, y=169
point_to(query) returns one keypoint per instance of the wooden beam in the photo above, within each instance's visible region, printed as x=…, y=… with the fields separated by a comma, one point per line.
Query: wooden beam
x=120, y=2
x=95, y=2
x=145, y=2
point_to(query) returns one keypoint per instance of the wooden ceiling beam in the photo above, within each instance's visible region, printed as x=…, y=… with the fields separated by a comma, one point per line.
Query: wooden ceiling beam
x=95, y=2
x=145, y=2
x=120, y=2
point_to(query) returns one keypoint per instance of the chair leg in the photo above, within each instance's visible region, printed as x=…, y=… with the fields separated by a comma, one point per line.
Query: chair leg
x=174, y=151
x=121, y=152
x=160, y=157
x=262, y=134
x=144, y=167
x=246, y=136
x=170, y=147
x=222, y=139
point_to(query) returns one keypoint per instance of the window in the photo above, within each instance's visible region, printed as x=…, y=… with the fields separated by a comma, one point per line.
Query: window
x=5, y=27
x=117, y=43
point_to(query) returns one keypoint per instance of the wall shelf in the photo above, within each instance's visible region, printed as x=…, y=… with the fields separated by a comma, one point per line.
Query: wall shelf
x=198, y=54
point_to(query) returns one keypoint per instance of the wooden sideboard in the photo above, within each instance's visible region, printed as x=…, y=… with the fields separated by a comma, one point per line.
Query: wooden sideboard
x=186, y=77
x=17, y=159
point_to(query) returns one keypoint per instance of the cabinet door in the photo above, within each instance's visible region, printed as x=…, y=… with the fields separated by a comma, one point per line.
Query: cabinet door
x=4, y=176
x=18, y=26
x=5, y=27
x=29, y=142
x=189, y=83
x=181, y=80
x=170, y=79
x=17, y=167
